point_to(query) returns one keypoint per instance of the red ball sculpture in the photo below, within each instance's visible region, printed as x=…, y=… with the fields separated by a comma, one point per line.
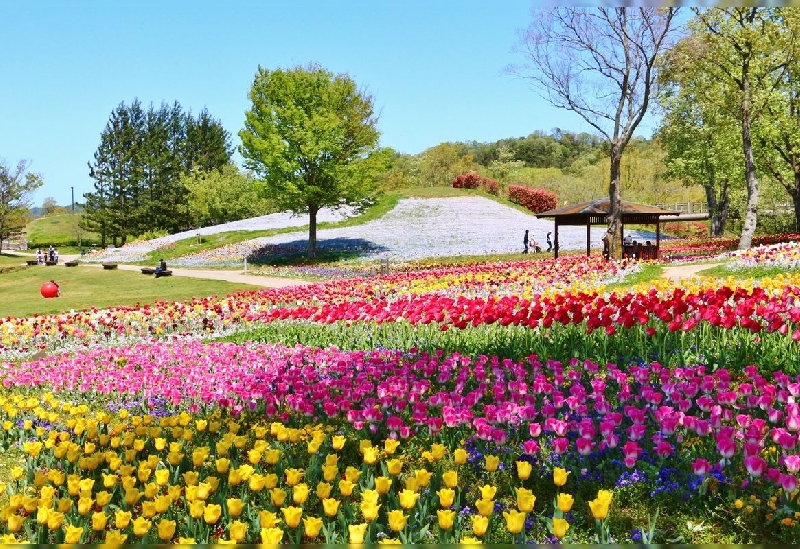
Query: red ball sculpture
x=49, y=290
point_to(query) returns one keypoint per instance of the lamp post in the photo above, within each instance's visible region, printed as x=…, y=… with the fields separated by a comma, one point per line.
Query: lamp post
x=73, y=200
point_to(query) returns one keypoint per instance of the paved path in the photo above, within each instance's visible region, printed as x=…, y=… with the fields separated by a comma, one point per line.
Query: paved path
x=220, y=274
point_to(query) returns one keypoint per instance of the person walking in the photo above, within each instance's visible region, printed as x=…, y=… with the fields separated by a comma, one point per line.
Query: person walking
x=549, y=242
x=525, y=242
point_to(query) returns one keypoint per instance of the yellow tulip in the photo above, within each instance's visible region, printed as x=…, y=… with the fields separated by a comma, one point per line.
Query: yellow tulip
x=488, y=491
x=277, y=496
x=235, y=506
x=99, y=521
x=162, y=477
x=357, y=532
x=446, y=517
x=15, y=522
x=272, y=456
x=390, y=541
x=560, y=527
x=352, y=474
x=515, y=520
x=438, y=451
x=324, y=490
x=525, y=500
x=411, y=483
x=312, y=526
x=141, y=527
x=524, y=469
x=479, y=524
x=565, y=502
x=86, y=484
x=383, y=485
x=42, y=514
x=337, y=441
x=270, y=481
x=292, y=515
x=271, y=536
x=485, y=507
x=330, y=472
x=73, y=534
x=54, y=520
x=254, y=456
x=73, y=484
x=450, y=479
x=212, y=513
x=370, y=511
x=390, y=446
x=267, y=519
x=166, y=529
x=257, y=482
x=330, y=506
x=370, y=496
x=122, y=519
x=408, y=499
x=114, y=537
x=197, y=508
x=599, y=506
x=238, y=531
x=132, y=496
x=103, y=498
x=491, y=463
x=370, y=455
x=423, y=477
x=460, y=456
x=293, y=476
x=468, y=540
x=346, y=487
x=446, y=496
x=331, y=459
x=191, y=478
x=394, y=467
x=397, y=520
x=222, y=465
x=560, y=476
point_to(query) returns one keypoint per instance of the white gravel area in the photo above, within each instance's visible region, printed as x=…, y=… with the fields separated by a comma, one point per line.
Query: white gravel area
x=416, y=228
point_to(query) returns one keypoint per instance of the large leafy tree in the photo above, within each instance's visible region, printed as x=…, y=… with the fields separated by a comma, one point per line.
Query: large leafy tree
x=220, y=196
x=747, y=55
x=599, y=63
x=139, y=165
x=17, y=186
x=312, y=137
x=699, y=131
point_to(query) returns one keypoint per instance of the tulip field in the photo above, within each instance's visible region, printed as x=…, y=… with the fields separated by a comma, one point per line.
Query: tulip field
x=537, y=401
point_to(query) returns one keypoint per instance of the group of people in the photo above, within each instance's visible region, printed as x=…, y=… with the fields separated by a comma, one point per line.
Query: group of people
x=51, y=255
x=529, y=243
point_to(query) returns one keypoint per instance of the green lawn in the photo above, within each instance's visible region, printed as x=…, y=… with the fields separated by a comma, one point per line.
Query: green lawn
x=83, y=287
x=58, y=230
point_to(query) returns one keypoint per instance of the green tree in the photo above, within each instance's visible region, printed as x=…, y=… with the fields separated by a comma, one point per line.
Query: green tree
x=747, y=54
x=312, y=137
x=17, y=186
x=599, y=63
x=220, y=196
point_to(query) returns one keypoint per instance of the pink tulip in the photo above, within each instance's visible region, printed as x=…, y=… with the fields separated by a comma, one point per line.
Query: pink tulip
x=701, y=467
x=755, y=466
x=792, y=462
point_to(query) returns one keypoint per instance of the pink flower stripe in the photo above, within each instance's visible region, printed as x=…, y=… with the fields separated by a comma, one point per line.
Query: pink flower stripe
x=746, y=421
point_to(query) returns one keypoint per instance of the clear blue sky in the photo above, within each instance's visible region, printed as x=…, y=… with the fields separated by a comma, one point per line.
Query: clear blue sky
x=434, y=67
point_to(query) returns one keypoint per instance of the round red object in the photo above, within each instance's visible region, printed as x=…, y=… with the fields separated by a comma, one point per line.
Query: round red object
x=49, y=290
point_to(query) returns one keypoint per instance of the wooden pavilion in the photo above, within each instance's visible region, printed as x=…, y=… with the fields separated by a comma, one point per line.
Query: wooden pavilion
x=596, y=213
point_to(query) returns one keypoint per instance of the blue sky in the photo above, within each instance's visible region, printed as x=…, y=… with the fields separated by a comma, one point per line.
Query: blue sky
x=434, y=68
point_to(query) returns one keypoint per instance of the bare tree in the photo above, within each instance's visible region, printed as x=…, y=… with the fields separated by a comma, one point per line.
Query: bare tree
x=600, y=64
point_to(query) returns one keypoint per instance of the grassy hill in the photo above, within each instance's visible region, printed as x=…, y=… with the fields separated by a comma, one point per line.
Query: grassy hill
x=60, y=230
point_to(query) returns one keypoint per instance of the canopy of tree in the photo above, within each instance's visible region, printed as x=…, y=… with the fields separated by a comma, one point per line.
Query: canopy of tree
x=138, y=167
x=17, y=186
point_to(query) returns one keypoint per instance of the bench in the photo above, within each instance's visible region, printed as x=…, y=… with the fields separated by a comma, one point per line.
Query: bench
x=109, y=266
x=152, y=270
x=71, y=264
x=51, y=263
x=32, y=262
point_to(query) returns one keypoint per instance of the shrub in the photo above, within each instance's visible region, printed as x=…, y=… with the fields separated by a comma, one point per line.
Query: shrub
x=536, y=200
x=472, y=180
x=686, y=229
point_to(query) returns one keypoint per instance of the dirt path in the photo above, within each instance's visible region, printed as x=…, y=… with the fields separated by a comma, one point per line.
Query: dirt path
x=679, y=272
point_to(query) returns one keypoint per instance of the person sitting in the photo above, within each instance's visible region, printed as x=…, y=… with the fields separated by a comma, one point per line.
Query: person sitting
x=58, y=290
x=628, y=241
x=536, y=247
x=55, y=256
x=39, y=256
x=162, y=266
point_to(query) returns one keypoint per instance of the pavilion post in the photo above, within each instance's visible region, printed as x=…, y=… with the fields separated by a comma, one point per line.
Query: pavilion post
x=588, y=237
x=555, y=248
x=658, y=237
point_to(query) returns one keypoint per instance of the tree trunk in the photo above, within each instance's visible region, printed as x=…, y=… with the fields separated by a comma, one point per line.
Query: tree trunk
x=614, y=232
x=718, y=208
x=751, y=214
x=796, y=202
x=312, y=231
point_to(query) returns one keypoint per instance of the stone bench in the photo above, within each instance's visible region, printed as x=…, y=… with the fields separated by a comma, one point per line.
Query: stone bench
x=32, y=262
x=152, y=270
x=166, y=272
x=109, y=266
x=71, y=264
x=50, y=263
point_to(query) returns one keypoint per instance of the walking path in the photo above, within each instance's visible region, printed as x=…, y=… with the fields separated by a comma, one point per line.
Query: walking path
x=676, y=273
